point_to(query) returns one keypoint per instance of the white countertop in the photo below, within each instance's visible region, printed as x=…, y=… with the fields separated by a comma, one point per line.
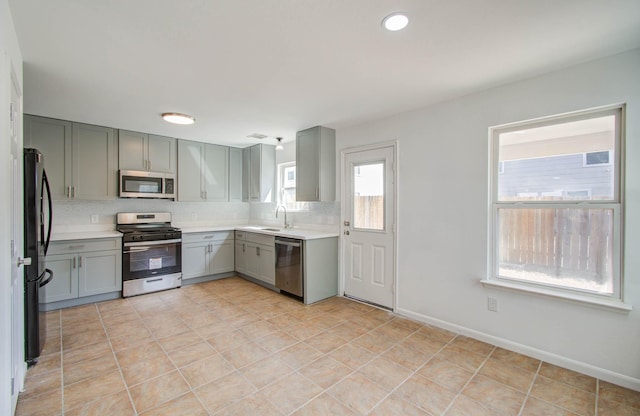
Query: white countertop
x=84, y=235
x=299, y=233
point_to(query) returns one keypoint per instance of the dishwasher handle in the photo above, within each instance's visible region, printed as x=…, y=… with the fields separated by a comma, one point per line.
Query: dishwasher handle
x=290, y=243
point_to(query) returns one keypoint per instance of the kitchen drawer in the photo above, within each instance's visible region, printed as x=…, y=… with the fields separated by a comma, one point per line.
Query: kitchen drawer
x=267, y=240
x=76, y=246
x=241, y=235
x=218, y=236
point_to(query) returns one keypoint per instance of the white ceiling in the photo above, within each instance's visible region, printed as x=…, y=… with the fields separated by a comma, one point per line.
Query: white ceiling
x=278, y=66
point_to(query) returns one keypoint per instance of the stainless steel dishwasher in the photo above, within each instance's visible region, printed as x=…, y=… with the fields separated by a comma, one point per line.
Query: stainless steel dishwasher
x=289, y=272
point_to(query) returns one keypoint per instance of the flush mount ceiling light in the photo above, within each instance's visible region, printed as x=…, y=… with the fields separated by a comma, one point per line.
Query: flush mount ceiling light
x=258, y=136
x=279, y=146
x=395, y=22
x=178, y=118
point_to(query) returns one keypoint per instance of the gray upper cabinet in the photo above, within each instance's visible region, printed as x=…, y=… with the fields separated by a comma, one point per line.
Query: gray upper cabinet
x=235, y=174
x=203, y=172
x=95, y=167
x=246, y=170
x=260, y=172
x=141, y=151
x=53, y=138
x=216, y=173
x=316, y=164
x=190, y=171
x=80, y=159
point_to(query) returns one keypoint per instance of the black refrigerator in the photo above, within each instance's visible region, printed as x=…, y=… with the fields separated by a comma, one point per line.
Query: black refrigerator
x=36, y=242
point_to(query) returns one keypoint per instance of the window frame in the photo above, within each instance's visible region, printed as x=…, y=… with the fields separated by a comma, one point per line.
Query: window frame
x=614, y=300
x=281, y=168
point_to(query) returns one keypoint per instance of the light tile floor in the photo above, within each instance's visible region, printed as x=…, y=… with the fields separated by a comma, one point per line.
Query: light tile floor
x=230, y=347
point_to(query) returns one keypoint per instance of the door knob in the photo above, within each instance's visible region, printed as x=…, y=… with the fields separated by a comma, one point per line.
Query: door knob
x=24, y=261
x=347, y=232
x=347, y=223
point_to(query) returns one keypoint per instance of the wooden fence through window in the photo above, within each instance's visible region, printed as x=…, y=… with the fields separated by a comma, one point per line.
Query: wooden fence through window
x=578, y=241
x=368, y=212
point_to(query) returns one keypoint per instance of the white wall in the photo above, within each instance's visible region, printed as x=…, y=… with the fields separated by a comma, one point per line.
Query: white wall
x=10, y=60
x=443, y=204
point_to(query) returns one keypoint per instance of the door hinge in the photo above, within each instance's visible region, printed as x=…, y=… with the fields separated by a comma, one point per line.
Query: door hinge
x=13, y=386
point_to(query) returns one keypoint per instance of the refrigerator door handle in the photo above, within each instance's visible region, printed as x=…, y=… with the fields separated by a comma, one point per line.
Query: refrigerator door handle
x=49, y=279
x=45, y=180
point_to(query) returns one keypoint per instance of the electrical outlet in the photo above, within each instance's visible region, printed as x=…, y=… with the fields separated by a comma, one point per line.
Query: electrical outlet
x=492, y=304
x=94, y=218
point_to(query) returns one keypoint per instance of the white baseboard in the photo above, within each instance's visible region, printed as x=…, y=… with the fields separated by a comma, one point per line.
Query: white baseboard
x=551, y=358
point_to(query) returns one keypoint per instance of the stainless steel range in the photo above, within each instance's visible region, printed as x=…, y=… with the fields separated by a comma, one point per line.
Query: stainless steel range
x=151, y=252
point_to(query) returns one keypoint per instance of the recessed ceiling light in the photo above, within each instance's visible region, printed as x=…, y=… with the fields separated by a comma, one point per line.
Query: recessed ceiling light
x=395, y=22
x=177, y=118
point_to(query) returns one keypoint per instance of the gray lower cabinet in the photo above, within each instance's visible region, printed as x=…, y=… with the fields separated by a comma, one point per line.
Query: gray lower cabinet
x=203, y=172
x=204, y=254
x=259, y=259
x=83, y=268
x=320, y=269
x=80, y=159
x=148, y=152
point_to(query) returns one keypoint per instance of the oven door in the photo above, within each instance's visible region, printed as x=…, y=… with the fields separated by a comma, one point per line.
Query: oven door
x=151, y=258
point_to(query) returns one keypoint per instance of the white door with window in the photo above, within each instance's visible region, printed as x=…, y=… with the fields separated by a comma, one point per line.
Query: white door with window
x=368, y=229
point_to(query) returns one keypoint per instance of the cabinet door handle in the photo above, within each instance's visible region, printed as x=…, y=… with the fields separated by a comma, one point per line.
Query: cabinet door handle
x=257, y=251
x=79, y=261
x=74, y=263
x=73, y=188
x=148, y=164
x=243, y=248
x=68, y=192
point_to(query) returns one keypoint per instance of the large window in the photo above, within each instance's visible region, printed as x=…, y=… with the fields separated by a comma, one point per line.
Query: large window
x=287, y=187
x=557, y=204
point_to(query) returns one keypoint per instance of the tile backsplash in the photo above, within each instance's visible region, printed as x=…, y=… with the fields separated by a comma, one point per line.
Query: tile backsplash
x=69, y=216
x=73, y=216
x=320, y=215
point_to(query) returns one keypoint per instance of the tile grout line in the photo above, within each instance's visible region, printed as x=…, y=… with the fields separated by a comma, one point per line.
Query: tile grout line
x=191, y=389
x=533, y=382
x=476, y=372
x=115, y=357
x=595, y=412
x=353, y=371
x=323, y=355
x=379, y=355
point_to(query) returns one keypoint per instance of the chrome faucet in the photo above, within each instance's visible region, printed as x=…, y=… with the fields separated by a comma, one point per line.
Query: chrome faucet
x=286, y=224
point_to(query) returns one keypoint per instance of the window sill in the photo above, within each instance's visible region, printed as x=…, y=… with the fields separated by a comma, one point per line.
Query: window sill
x=611, y=304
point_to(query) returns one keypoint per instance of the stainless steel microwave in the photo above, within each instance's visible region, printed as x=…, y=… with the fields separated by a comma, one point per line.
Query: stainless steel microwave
x=142, y=184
